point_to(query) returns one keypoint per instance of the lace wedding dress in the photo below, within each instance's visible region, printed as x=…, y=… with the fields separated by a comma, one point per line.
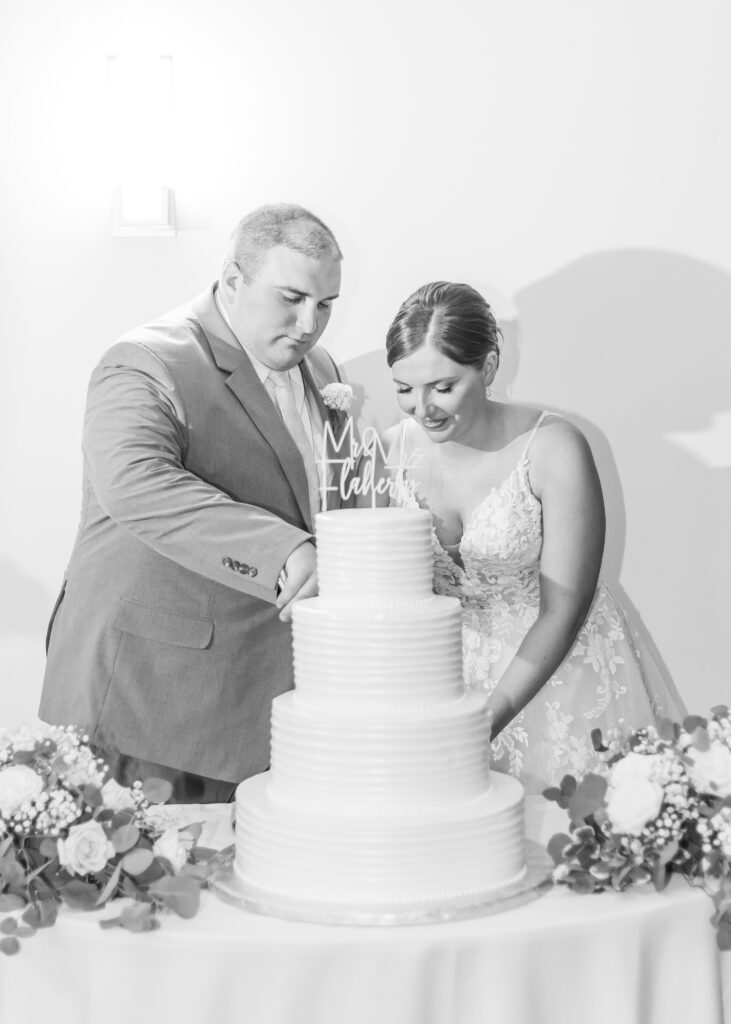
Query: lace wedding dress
x=609, y=678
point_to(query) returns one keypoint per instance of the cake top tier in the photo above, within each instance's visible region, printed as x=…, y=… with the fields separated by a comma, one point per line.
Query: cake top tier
x=380, y=554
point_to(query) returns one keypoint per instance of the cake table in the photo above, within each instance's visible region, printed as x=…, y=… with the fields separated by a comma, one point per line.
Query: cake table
x=630, y=958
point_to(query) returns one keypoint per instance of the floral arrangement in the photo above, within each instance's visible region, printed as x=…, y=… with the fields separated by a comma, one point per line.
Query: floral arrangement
x=69, y=836
x=337, y=396
x=662, y=806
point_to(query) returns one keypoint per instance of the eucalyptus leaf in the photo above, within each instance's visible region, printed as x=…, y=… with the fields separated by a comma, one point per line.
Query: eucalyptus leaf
x=32, y=917
x=138, y=918
x=48, y=847
x=8, y=926
x=202, y=854
x=110, y=886
x=556, y=846
x=123, y=817
x=179, y=893
x=9, y=945
x=582, y=882
x=194, y=830
x=597, y=741
x=639, y=875
x=568, y=785
x=700, y=738
x=691, y=722
x=124, y=838
x=80, y=895
x=621, y=876
x=11, y=870
x=588, y=797
x=24, y=757
x=137, y=861
x=92, y=796
x=111, y=922
x=11, y=901
x=157, y=791
x=200, y=871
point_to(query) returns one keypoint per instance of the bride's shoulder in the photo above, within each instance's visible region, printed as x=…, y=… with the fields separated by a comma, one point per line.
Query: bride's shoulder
x=555, y=431
x=559, y=449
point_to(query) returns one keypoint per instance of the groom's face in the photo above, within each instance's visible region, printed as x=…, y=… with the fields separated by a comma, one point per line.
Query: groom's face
x=280, y=314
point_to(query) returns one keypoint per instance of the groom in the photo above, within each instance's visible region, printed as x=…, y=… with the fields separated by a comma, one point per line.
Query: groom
x=171, y=635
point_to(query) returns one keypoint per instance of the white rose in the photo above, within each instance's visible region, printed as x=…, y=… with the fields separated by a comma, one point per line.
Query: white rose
x=172, y=848
x=633, y=803
x=710, y=770
x=634, y=766
x=18, y=783
x=86, y=849
x=116, y=797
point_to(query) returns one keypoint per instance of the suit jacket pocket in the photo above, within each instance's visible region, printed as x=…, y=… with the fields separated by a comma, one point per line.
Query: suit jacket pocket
x=165, y=627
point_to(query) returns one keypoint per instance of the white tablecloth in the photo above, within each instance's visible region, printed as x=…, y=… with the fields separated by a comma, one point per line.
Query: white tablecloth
x=630, y=958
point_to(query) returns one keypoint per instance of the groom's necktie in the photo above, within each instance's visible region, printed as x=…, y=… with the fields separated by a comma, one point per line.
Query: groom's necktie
x=284, y=396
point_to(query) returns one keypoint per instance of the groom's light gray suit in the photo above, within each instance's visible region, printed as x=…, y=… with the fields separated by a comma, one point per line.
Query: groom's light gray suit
x=166, y=643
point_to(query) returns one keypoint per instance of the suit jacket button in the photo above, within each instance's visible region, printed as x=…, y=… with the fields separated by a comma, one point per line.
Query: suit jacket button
x=228, y=563
x=244, y=570
x=253, y=571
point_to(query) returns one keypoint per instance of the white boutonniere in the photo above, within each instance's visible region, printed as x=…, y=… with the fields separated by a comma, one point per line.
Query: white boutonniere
x=337, y=396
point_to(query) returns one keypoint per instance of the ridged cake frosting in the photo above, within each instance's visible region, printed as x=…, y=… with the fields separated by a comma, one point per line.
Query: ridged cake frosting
x=380, y=801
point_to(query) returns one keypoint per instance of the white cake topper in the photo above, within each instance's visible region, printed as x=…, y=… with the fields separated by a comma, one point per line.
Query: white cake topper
x=367, y=453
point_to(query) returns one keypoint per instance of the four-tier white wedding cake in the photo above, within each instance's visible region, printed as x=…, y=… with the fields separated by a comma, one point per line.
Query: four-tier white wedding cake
x=379, y=804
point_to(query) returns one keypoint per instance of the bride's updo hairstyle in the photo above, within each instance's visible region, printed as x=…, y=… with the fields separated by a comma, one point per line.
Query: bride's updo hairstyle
x=453, y=317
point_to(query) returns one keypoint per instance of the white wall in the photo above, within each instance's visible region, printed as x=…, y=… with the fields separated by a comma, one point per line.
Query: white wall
x=570, y=158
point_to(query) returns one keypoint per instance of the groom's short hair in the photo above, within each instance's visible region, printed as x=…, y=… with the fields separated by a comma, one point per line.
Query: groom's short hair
x=279, y=224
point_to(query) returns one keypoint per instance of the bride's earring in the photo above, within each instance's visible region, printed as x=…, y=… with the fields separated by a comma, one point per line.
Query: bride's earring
x=488, y=391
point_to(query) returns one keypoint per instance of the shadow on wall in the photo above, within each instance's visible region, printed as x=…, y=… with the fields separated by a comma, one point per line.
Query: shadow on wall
x=633, y=346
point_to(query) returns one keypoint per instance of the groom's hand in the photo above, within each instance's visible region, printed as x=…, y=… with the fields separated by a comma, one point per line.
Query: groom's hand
x=299, y=579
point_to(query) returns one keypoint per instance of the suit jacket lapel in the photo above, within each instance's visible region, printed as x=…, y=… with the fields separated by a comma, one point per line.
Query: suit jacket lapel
x=253, y=396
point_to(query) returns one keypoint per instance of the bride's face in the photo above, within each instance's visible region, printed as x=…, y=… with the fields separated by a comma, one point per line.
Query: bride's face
x=446, y=398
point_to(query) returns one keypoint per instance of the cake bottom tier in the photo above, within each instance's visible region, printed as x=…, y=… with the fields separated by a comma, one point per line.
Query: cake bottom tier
x=389, y=863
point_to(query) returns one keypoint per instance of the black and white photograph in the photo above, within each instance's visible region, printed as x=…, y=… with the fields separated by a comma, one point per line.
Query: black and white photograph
x=364, y=538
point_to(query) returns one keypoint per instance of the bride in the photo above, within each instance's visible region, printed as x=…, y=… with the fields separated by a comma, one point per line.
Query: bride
x=518, y=537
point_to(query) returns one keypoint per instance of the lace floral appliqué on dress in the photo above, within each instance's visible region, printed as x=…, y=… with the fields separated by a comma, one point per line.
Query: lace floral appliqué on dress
x=608, y=678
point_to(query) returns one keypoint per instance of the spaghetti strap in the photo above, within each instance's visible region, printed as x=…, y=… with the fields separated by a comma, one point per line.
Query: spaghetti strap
x=533, y=431
x=402, y=449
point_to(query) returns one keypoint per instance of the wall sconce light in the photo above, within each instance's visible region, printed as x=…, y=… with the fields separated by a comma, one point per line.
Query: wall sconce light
x=140, y=92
